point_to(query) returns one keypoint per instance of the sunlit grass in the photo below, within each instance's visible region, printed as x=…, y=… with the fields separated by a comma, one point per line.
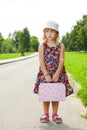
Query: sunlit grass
x=84, y=115
x=13, y=55
x=76, y=65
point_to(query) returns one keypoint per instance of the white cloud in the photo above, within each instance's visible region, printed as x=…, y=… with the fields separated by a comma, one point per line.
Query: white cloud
x=17, y=14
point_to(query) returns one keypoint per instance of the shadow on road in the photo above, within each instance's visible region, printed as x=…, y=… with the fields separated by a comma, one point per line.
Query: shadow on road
x=53, y=126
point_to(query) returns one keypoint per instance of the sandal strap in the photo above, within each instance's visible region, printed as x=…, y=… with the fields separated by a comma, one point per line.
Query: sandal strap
x=56, y=118
x=44, y=117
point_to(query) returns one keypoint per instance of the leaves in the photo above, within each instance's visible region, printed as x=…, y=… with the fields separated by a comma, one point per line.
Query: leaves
x=76, y=40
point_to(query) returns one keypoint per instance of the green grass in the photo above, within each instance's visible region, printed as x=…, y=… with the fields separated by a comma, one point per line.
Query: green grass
x=76, y=65
x=13, y=55
x=84, y=115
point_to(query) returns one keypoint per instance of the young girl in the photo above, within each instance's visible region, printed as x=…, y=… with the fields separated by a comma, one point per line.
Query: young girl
x=51, y=57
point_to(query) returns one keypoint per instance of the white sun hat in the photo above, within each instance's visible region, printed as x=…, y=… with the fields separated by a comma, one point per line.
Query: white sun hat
x=52, y=25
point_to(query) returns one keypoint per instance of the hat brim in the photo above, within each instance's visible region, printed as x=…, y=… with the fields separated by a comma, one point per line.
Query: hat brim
x=50, y=27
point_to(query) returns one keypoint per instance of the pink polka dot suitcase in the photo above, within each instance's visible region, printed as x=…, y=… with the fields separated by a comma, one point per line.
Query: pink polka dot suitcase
x=52, y=92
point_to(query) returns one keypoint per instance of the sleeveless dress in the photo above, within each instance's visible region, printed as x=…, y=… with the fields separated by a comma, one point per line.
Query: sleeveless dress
x=51, y=60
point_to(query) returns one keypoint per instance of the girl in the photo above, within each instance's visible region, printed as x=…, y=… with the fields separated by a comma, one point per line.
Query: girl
x=51, y=57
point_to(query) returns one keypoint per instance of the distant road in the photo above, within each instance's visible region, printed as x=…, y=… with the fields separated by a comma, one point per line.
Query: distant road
x=20, y=109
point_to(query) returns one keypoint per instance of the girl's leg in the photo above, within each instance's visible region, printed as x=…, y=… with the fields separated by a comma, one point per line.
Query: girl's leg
x=46, y=107
x=55, y=116
x=45, y=117
x=55, y=107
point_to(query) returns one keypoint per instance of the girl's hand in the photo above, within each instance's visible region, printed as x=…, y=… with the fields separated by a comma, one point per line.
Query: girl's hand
x=48, y=78
x=55, y=77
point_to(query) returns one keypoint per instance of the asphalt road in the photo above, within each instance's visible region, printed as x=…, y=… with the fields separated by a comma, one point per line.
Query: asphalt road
x=20, y=109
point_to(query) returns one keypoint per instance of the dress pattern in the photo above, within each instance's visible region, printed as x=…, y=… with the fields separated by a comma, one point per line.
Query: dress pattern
x=51, y=59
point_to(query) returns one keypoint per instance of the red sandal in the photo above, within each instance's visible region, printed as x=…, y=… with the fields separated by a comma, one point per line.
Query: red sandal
x=56, y=119
x=44, y=118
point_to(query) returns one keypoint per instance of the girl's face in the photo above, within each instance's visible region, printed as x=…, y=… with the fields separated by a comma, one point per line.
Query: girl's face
x=51, y=34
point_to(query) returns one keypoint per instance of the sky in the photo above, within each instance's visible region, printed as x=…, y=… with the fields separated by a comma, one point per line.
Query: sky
x=15, y=15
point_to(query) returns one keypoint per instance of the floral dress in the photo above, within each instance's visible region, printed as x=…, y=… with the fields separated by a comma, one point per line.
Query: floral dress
x=51, y=60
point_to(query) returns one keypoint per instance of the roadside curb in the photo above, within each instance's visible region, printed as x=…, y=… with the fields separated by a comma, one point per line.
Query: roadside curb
x=17, y=59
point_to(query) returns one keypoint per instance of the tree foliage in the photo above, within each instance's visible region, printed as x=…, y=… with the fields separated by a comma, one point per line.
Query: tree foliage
x=19, y=41
x=34, y=43
x=6, y=46
x=24, y=41
x=1, y=40
x=76, y=40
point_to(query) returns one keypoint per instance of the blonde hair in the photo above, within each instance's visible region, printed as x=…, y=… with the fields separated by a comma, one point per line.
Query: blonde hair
x=46, y=40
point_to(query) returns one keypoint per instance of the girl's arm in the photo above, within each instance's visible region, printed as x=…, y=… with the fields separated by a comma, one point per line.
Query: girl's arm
x=61, y=59
x=42, y=64
x=61, y=63
x=41, y=59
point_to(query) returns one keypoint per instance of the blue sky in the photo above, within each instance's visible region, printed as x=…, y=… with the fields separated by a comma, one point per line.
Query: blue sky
x=33, y=14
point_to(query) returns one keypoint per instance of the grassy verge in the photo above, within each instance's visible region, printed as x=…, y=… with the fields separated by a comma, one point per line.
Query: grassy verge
x=13, y=55
x=84, y=115
x=76, y=65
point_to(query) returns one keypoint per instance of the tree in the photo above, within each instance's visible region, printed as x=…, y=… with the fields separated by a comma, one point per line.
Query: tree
x=34, y=43
x=77, y=38
x=6, y=46
x=66, y=40
x=24, y=41
x=82, y=34
x=15, y=40
x=1, y=40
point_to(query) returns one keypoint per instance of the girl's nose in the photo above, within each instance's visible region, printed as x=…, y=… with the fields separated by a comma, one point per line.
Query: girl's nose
x=49, y=32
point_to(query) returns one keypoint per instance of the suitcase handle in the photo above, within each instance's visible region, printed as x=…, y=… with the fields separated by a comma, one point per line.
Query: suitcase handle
x=52, y=82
